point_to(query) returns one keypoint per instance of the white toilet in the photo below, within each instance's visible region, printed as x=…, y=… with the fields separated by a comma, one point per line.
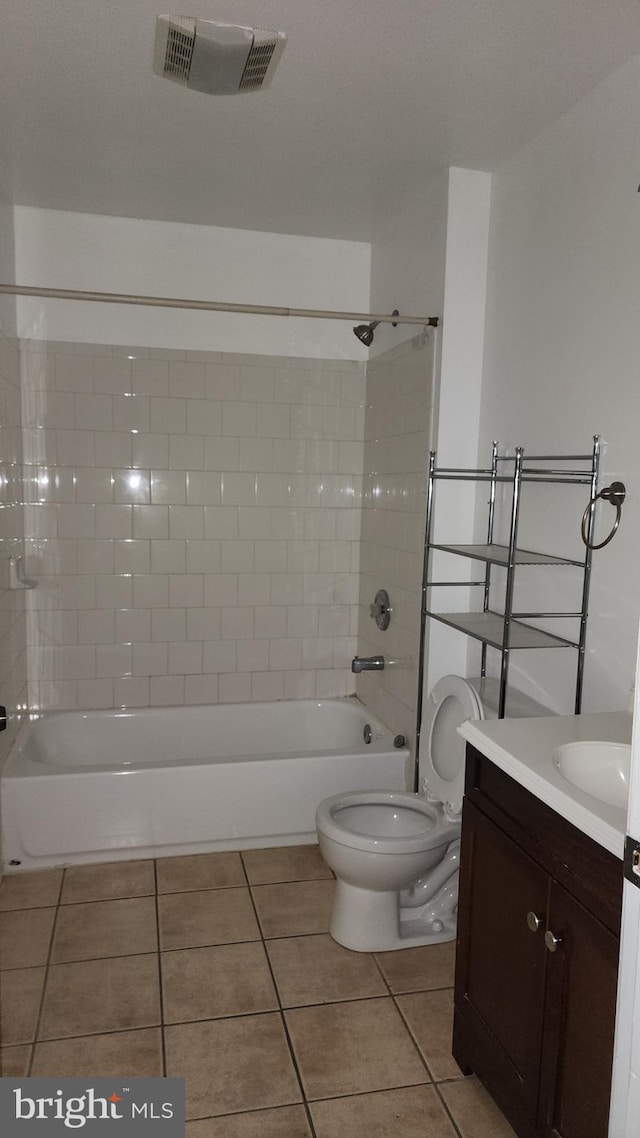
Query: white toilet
x=395, y=855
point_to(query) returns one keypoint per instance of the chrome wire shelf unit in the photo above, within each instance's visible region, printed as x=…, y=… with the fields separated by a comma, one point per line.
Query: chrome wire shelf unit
x=507, y=630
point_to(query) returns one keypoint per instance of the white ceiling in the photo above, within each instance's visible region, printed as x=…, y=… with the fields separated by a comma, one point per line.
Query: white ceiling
x=369, y=97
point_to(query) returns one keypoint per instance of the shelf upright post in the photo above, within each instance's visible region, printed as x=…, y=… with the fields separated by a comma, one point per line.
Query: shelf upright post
x=508, y=594
x=423, y=604
x=487, y=568
x=586, y=579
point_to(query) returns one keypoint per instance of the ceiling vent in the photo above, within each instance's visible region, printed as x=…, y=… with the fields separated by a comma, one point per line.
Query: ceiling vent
x=218, y=59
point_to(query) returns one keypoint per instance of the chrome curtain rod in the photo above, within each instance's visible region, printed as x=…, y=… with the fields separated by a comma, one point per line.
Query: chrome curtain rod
x=210, y=305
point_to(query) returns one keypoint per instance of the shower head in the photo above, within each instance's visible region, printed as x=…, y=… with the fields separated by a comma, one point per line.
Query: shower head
x=364, y=332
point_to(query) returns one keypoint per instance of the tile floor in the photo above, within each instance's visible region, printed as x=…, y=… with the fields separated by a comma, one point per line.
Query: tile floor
x=219, y=968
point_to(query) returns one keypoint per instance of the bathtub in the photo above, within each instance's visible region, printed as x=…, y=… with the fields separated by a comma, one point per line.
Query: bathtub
x=113, y=785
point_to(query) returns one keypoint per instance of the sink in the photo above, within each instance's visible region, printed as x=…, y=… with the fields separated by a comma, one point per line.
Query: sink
x=600, y=769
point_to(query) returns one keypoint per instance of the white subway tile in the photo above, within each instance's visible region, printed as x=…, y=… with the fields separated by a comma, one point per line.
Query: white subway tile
x=93, y=412
x=131, y=413
x=220, y=589
x=202, y=556
x=186, y=452
x=272, y=490
x=302, y=620
x=221, y=454
x=257, y=454
x=204, y=417
x=186, y=522
x=131, y=691
x=168, y=691
x=317, y=652
x=320, y=525
x=186, y=590
x=168, y=624
x=270, y=621
x=234, y=688
x=133, y=626
x=254, y=522
x=131, y=556
x=94, y=557
x=253, y=655
x=319, y=588
x=287, y=524
x=150, y=377
x=203, y=488
x=332, y=685
x=151, y=591
x=70, y=373
x=168, y=416
x=273, y=420
x=219, y=656
x=257, y=384
x=254, y=588
x=334, y=556
x=94, y=694
x=222, y=381
x=237, y=623
x=168, y=557
x=92, y=485
x=168, y=487
x=112, y=448
x=200, y=689
x=299, y=685
x=74, y=521
x=285, y=655
x=238, y=489
x=236, y=557
x=75, y=592
x=114, y=592
x=150, y=660
x=96, y=626
x=114, y=659
x=186, y=379
x=202, y=624
x=302, y=556
x=150, y=522
x=111, y=376
x=306, y=422
x=239, y=419
x=114, y=521
x=221, y=522
x=131, y=485
x=151, y=451
x=267, y=686
x=271, y=557
x=286, y=588
x=334, y=620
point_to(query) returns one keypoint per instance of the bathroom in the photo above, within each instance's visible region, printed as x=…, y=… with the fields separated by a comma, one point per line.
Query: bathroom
x=531, y=270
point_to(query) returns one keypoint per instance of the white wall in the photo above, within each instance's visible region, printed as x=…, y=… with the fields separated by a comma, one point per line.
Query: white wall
x=115, y=254
x=561, y=361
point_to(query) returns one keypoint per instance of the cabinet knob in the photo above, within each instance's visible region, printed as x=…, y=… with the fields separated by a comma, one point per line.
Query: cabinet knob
x=552, y=941
x=534, y=922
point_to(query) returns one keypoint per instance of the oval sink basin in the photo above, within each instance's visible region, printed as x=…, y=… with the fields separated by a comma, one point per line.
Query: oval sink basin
x=600, y=769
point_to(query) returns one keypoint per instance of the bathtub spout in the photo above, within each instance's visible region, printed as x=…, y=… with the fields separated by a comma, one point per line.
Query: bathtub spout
x=367, y=664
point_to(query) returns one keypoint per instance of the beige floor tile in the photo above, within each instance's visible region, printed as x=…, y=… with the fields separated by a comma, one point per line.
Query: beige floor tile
x=344, y=1049
x=20, y=996
x=25, y=936
x=134, y=1053
x=285, y=1122
x=30, y=890
x=105, y=928
x=232, y=1064
x=212, y=916
x=101, y=995
x=108, y=882
x=199, y=871
x=294, y=909
x=316, y=970
x=417, y=969
x=430, y=1019
x=474, y=1112
x=287, y=863
x=14, y=1062
x=227, y=980
x=413, y=1112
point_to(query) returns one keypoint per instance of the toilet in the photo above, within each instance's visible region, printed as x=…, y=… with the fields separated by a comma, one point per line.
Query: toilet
x=396, y=854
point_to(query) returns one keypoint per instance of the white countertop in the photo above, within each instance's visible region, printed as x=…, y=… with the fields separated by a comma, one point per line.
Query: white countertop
x=523, y=748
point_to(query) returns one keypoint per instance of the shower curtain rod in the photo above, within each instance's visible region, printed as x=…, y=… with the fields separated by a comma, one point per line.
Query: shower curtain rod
x=210, y=305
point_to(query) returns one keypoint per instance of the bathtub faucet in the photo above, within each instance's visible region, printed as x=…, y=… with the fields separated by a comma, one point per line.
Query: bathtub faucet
x=367, y=664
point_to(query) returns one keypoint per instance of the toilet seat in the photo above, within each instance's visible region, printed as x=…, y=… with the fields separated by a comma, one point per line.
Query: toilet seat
x=418, y=823
x=452, y=701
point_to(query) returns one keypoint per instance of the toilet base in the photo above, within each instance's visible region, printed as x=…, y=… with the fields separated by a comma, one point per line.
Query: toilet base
x=368, y=921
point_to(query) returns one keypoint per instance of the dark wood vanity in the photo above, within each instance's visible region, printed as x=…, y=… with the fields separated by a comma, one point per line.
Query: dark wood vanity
x=537, y=959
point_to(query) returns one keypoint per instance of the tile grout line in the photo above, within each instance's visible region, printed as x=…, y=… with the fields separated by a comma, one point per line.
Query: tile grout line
x=36, y=1032
x=163, y=1046
x=280, y=1008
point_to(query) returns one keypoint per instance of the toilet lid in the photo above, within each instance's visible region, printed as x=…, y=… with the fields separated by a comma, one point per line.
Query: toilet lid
x=451, y=702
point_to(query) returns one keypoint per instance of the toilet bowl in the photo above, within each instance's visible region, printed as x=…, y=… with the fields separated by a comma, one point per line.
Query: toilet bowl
x=395, y=855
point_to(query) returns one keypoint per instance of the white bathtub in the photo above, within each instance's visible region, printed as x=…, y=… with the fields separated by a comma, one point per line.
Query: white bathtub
x=109, y=785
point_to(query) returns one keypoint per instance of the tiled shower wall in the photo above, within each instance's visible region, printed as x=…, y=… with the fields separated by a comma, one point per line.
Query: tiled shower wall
x=400, y=391
x=193, y=521
x=13, y=659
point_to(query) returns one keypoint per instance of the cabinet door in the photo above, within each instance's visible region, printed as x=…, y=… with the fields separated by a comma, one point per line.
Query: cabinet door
x=579, y=1024
x=500, y=971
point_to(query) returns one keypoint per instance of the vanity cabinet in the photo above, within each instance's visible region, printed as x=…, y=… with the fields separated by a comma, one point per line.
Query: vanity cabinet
x=537, y=959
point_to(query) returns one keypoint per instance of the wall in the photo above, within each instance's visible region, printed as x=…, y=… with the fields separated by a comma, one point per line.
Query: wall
x=400, y=390
x=128, y=255
x=194, y=522
x=561, y=359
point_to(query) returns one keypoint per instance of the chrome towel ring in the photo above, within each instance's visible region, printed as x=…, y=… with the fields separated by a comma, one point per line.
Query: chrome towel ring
x=616, y=494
